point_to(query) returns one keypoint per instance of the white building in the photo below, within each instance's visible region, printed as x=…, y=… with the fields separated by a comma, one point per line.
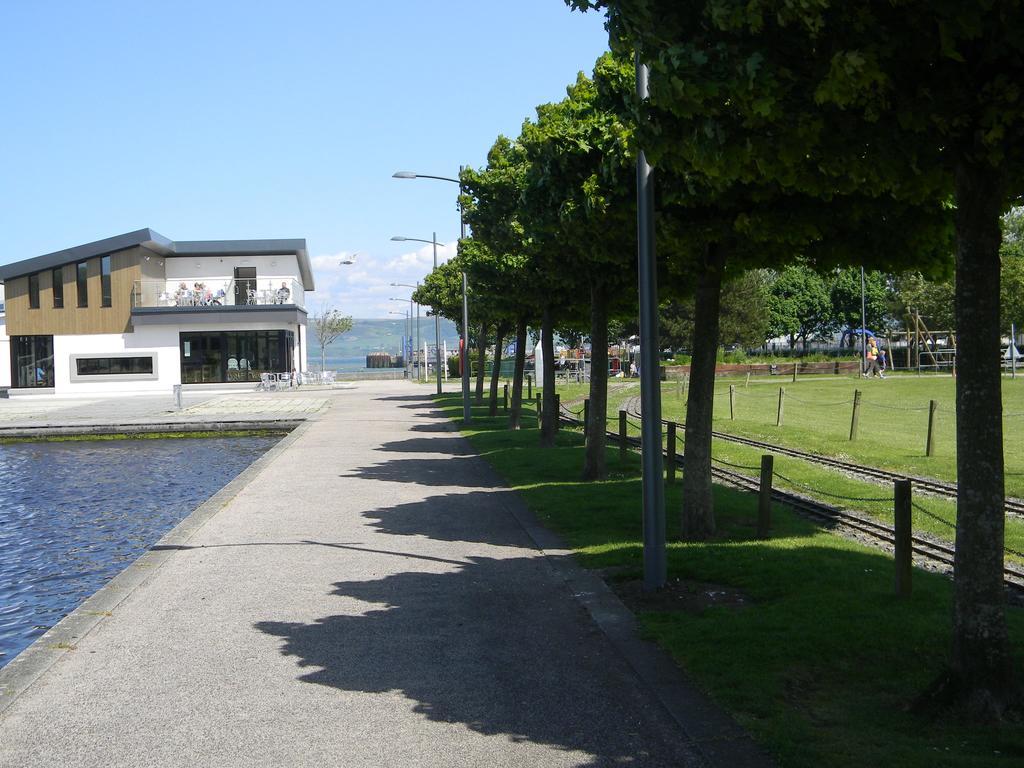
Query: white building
x=138, y=312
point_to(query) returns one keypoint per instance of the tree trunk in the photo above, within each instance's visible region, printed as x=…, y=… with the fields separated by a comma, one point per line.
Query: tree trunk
x=698, y=518
x=481, y=361
x=548, y=414
x=500, y=330
x=982, y=665
x=517, y=377
x=594, y=456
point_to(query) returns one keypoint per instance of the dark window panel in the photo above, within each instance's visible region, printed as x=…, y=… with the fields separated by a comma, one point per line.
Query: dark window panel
x=81, y=278
x=58, y=288
x=33, y=291
x=105, y=281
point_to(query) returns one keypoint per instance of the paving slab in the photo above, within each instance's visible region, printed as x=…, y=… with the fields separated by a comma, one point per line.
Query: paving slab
x=371, y=596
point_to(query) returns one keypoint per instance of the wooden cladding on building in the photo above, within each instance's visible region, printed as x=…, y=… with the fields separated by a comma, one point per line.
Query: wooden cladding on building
x=71, y=319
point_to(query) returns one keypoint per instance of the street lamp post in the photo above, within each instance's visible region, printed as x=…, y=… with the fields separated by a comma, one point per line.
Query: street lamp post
x=437, y=318
x=408, y=328
x=405, y=327
x=416, y=356
x=467, y=415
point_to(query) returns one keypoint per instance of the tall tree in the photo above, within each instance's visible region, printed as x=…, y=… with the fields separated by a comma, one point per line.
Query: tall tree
x=912, y=100
x=799, y=305
x=581, y=174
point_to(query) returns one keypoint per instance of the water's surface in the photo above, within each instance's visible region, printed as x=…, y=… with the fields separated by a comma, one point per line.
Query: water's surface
x=73, y=515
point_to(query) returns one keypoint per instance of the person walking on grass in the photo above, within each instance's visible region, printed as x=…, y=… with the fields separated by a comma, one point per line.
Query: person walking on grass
x=872, y=360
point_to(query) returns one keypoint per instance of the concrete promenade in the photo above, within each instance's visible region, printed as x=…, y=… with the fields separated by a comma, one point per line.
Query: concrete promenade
x=370, y=596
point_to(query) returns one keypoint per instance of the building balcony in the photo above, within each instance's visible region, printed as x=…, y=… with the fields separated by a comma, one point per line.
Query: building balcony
x=212, y=295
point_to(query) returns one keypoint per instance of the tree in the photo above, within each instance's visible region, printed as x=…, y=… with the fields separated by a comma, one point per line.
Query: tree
x=845, y=293
x=799, y=305
x=491, y=205
x=910, y=101
x=328, y=325
x=580, y=180
x=932, y=299
x=744, y=317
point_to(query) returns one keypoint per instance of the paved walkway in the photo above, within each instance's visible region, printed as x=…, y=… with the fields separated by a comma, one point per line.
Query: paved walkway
x=369, y=598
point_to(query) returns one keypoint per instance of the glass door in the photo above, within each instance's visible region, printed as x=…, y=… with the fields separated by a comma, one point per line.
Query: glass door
x=245, y=285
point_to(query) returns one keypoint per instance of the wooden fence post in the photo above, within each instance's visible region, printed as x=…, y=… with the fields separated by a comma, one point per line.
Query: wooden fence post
x=670, y=465
x=747, y=385
x=856, y=414
x=505, y=397
x=529, y=387
x=782, y=400
x=795, y=366
x=764, y=499
x=622, y=435
x=933, y=406
x=902, y=529
x=539, y=415
x=732, y=401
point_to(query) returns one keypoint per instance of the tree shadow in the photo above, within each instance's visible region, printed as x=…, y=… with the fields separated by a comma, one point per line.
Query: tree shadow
x=491, y=646
x=425, y=398
x=461, y=471
x=477, y=516
x=451, y=446
x=434, y=427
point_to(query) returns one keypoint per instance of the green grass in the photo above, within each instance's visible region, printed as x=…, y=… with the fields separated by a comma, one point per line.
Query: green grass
x=821, y=662
x=893, y=423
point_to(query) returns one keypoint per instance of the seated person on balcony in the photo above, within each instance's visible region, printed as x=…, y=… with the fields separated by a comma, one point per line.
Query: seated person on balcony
x=283, y=293
x=181, y=296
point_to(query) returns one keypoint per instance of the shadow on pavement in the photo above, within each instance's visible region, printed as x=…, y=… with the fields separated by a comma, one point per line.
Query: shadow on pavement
x=476, y=516
x=457, y=470
x=490, y=645
x=451, y=446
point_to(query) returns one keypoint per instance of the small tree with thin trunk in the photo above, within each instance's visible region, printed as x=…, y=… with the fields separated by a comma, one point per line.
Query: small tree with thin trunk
x=329, y=324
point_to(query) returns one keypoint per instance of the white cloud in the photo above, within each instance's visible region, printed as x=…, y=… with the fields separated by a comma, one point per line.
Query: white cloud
x=363, y=289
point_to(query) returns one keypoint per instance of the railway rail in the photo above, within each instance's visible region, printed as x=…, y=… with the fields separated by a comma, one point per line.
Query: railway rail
x=925, y=549
x=926, y=485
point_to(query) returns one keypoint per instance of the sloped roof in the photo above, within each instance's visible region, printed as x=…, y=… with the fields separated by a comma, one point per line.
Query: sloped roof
x=154, y=241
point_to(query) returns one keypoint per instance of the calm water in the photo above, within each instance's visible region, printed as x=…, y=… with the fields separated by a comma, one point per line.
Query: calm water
x=73, y=515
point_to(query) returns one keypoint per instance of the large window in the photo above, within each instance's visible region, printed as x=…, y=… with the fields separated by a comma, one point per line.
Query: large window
x=32, y=361
x=58, y=288
x=82, y=280
x=105, y=280
x=235, y=355
x=114, y=366
x=33, y=291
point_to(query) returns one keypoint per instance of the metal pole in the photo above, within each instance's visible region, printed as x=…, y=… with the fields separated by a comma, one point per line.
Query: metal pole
x=437, y=327
x=863, y=326
x=413, y=362
x=467, y=416
x=650, y=386
x=1013, y=351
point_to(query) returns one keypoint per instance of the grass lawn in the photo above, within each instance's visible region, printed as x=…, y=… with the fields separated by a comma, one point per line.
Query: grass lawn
x=819, y=660
x=893, y=423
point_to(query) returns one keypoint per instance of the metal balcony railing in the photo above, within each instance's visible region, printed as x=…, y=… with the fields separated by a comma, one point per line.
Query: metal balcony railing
x=199, y=294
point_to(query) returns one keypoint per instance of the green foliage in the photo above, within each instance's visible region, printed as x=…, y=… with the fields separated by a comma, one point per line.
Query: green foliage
x=744, y=315
x=799, y=304
x=846, y=299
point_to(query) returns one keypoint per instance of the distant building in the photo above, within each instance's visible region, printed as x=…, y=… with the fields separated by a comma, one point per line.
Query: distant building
x=138, y=312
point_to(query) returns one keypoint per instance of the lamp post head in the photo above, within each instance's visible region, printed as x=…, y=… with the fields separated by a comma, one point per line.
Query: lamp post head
x=403, y=175
x=399, y=238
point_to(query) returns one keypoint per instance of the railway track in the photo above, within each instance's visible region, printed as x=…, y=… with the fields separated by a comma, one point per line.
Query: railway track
x=925, y=485
x=925, y=549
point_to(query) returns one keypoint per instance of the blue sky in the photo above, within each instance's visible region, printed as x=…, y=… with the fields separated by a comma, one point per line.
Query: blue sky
x=221, y=120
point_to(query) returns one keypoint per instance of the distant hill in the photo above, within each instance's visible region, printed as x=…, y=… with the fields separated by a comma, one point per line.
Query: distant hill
x=383, y=335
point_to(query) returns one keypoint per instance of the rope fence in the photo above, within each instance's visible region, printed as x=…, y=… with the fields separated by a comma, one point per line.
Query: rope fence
x=735, y=466
x=812, y=489
x=933, y=516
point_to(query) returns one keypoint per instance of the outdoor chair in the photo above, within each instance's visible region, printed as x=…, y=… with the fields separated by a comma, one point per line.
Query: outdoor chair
x=268, y=381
